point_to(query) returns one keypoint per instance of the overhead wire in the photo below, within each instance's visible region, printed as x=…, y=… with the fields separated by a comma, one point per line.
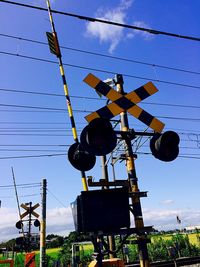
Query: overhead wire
x=95, y=98
x=103, y=55
x=64, y=123
x=91, y=19
x=20, y=185
x=89, y=111
x=34, y=156
x=99, y=70
x=58, y=200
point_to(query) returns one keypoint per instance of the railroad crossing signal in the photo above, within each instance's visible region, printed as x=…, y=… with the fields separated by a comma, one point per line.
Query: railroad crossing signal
x=29, y=210
x=121, y=103
x=53, y=43
x=165, y=146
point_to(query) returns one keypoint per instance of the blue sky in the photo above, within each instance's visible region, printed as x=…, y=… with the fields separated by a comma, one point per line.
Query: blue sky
x=173, y=188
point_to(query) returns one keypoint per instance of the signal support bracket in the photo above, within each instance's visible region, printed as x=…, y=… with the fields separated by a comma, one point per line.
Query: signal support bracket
x=103, y=182
x=138, y=194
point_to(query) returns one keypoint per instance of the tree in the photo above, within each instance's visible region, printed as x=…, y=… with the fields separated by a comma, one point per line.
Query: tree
x=66, y=253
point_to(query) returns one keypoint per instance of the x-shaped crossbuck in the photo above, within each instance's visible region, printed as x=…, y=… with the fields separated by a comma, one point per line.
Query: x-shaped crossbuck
x=29, y=210
x=122, y=103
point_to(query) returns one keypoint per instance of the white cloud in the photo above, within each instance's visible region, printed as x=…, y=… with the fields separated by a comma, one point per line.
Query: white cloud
x=166, y=218
x=9, y=217
x=167, y=201
x=145, y=35
x=60, y=221
x=113, y=34
x=109, y=33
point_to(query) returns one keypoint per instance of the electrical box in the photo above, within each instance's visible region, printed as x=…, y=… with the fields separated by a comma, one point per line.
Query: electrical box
x=101, y=210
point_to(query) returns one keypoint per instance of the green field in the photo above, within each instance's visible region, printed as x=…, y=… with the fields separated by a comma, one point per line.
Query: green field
x=193, y=238
x=159, y=244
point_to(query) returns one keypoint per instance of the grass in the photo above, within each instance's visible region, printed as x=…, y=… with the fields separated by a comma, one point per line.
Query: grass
x=87, y=249
x=192, y=238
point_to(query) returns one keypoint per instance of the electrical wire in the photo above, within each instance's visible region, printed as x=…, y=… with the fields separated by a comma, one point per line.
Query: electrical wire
x=64, y=123
x=30, y=195
x=20, y=185
x=103, y=55
x=88, y=111
x=95, y=98
x=31, y=150
x=34, y=156
x=33, y=145
x=56, y=198
x=91, y=19
x=99, y=70
x=65, y=154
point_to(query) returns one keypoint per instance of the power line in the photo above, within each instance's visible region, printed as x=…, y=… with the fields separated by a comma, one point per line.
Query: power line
x=30, y=195
x=39, y=122
x=30, y=111
x=64, y=151
x=65, y=123
x=45, y=135
x=21, y=185
x=95, y=98
x=99, y=70
x=34, y=129
x=56, y=198
x=91, y=19
x=34, y=156
x=33, y=145
x=32, y=107
x=30, y=92
x=65, y=154
x=103, y=55
x=32, y=150
x=89, y=111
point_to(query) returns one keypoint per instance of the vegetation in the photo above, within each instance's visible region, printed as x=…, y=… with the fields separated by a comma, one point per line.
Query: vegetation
x=162, y=247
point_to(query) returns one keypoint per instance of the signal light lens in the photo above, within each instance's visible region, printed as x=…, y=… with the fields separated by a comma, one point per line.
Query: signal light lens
x=19, y=225
x=165, y=146
x=98, y=137
x=36, y=223
x=80, y=159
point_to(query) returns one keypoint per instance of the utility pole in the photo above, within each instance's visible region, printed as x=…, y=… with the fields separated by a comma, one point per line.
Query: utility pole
x=43, y=226
x=17, y=198
x=29, y=226
x=133, y=182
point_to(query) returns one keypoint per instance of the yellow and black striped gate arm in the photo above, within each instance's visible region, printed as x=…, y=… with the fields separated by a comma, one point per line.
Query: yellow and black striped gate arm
x=55, y=49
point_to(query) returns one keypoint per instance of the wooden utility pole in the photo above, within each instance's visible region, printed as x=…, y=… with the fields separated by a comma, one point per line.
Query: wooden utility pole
x=43, y=226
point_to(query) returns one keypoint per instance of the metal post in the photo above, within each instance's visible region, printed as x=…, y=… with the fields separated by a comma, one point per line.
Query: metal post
x=43, y=226
x=133, y=181
x=111, y=239
x=29, y=226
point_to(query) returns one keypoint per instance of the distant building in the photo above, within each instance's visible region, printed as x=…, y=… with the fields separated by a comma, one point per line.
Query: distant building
x=192, y=228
